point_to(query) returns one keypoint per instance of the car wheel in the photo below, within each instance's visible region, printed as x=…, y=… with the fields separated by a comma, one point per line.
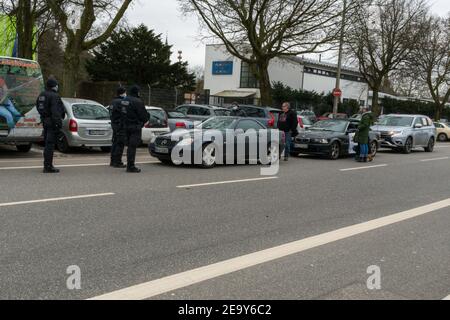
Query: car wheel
x=209, y=156
x=430, y=146
x=23, y=147
x=442, y=137
x=106, y=149
x=408, y=146
x=335, y=151
x=373, y=149
x=63, y=145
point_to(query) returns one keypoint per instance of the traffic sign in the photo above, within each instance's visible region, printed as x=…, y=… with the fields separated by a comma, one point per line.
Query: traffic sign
x=337, y=92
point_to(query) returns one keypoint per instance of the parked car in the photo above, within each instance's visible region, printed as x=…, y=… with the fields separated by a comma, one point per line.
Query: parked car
x=330, y=115
x=443, y=131
x=197, y=112
x=406, y=132
x=304, y=123
x=206, y=147
x=178, y=120
x=267, y=115
x=308, y=114
x=331, y=138
x=157, y=125
x=87, y=124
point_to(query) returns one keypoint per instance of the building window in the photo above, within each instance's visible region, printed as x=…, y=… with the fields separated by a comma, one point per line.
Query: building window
x=362, y=103
x=248, y=79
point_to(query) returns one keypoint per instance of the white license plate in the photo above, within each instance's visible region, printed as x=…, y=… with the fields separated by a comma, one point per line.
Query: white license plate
x=161, y=150
x=97, y=132
x=301, y=146
x=4, y=133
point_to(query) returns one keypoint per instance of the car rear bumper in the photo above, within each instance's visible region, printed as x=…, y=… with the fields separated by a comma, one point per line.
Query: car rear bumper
x=75, y=140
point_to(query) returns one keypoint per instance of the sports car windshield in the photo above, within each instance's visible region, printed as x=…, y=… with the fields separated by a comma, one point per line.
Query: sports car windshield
x=219, y=123
x=396, y=121
x=330, y=125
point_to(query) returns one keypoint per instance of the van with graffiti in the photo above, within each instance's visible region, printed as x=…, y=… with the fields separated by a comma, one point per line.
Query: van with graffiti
x=21, y=81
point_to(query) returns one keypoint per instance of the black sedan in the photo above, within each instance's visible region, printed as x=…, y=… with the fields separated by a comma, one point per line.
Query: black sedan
x=220, y=140
x=331, y=138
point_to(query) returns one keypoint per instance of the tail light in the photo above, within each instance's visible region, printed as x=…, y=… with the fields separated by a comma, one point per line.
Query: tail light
x=73, y=126
x=300, y=122
x=180, y=125
x=271, y=121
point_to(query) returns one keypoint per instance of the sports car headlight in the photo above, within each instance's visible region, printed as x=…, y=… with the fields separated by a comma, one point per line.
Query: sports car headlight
x=321, y=141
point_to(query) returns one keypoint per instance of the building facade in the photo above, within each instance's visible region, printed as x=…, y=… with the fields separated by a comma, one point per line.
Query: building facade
x=228, y=79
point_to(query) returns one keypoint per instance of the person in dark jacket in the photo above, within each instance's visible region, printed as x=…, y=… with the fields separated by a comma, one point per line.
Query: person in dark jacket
x=136, y=117
x=52, y=112
x=236, y=110
x=288, y=123
x=118, y=119
x=362, y=136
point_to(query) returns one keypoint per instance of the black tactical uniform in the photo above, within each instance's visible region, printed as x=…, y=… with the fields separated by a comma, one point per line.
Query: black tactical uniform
x=51, y=109
x=118, y=124
x=136, y=117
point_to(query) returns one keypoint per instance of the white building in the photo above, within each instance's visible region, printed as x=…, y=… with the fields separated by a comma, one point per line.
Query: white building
x=228, y=78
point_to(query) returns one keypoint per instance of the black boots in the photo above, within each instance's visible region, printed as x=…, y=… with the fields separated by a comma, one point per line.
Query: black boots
x=133, y=170
x=118, y=165
x=51, y=170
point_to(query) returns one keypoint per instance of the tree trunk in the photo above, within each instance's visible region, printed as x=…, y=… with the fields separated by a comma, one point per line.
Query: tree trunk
x=25, y=29
x=71, y=69
x=265, y=87
x=375, y=102
x=438, y=113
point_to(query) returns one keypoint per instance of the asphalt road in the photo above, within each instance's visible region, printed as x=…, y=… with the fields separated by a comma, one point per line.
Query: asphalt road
x=157, y=228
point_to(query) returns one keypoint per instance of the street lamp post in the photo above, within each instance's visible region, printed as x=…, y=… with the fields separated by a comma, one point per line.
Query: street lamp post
x=339, y=70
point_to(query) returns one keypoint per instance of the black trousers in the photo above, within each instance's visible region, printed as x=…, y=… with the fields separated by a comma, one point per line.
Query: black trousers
x=50, y=136
x=118, y=144
x=134, y=140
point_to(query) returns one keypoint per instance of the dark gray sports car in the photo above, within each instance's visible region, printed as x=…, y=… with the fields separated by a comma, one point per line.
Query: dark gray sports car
x=331, y=138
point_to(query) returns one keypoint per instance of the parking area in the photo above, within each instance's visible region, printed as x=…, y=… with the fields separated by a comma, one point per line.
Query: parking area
x=154, y=230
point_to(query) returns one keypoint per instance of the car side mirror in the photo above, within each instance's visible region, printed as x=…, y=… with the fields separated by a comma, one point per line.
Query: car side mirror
x=418, y=126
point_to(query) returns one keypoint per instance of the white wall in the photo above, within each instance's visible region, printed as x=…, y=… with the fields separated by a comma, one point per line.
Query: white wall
x=289, y=72
x=322, y=84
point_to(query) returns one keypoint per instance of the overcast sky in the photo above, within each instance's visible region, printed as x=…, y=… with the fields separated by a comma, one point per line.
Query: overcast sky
x=164, y=17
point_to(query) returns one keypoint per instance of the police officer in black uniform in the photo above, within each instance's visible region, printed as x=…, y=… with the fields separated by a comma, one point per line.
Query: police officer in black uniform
x=118, y=124
x=136, y=118
x=52, y=112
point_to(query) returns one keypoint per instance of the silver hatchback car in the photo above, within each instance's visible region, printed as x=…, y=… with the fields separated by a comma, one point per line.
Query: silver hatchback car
x=406, y=132
x=87, y=124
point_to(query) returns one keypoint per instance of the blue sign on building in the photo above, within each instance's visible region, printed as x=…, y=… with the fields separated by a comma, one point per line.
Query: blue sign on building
x=222, y=67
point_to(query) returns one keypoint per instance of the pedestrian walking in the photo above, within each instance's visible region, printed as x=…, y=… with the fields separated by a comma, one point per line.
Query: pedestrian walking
x=136, y=118
x=288, y=123
x=52, y=112
x=362, y=136
x=118, y=124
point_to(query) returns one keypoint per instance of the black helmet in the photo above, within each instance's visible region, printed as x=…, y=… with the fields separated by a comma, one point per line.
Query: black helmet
x=120, y=91
x=135, y=90
x=52, y=83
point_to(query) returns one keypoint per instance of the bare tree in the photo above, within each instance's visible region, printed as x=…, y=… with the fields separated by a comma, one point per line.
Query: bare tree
x=85, y=34
x=431, y=59
x=31, y=19
x=256, y=31
x=381, y=38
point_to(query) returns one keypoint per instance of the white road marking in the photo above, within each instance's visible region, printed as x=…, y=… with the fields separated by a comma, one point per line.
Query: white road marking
x=170, y=283
x=364, y=167
x=226, y=182
x=72, y=165
x=435, y=159
x=10, y=204
x=447, y=298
